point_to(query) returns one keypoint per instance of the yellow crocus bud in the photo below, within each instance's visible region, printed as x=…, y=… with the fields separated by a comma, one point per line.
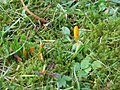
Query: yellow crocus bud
x=76, y=33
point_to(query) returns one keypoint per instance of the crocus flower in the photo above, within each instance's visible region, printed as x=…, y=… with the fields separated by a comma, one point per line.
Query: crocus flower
x=76, y=33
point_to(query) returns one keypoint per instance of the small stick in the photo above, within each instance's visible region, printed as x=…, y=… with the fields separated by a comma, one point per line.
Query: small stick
x=16, y=56
x=35, y=16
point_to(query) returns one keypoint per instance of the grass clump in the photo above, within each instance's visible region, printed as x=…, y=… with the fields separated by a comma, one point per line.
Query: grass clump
x=60, y=63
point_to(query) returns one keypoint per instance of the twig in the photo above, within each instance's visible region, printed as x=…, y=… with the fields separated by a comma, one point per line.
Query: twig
x=16, y=56
x=35, y=16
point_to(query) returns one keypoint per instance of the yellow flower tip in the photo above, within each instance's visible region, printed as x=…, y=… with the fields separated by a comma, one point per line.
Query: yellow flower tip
x=76, y=33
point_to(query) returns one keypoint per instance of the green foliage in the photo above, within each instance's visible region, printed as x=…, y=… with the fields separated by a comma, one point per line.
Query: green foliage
x=62, y=81
x=65, y=31
x=85, y=63
x=91, y=64
x=96, y=64
x=116, y=1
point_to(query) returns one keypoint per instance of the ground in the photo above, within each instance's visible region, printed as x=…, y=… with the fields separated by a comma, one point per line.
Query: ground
x=37, y=55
